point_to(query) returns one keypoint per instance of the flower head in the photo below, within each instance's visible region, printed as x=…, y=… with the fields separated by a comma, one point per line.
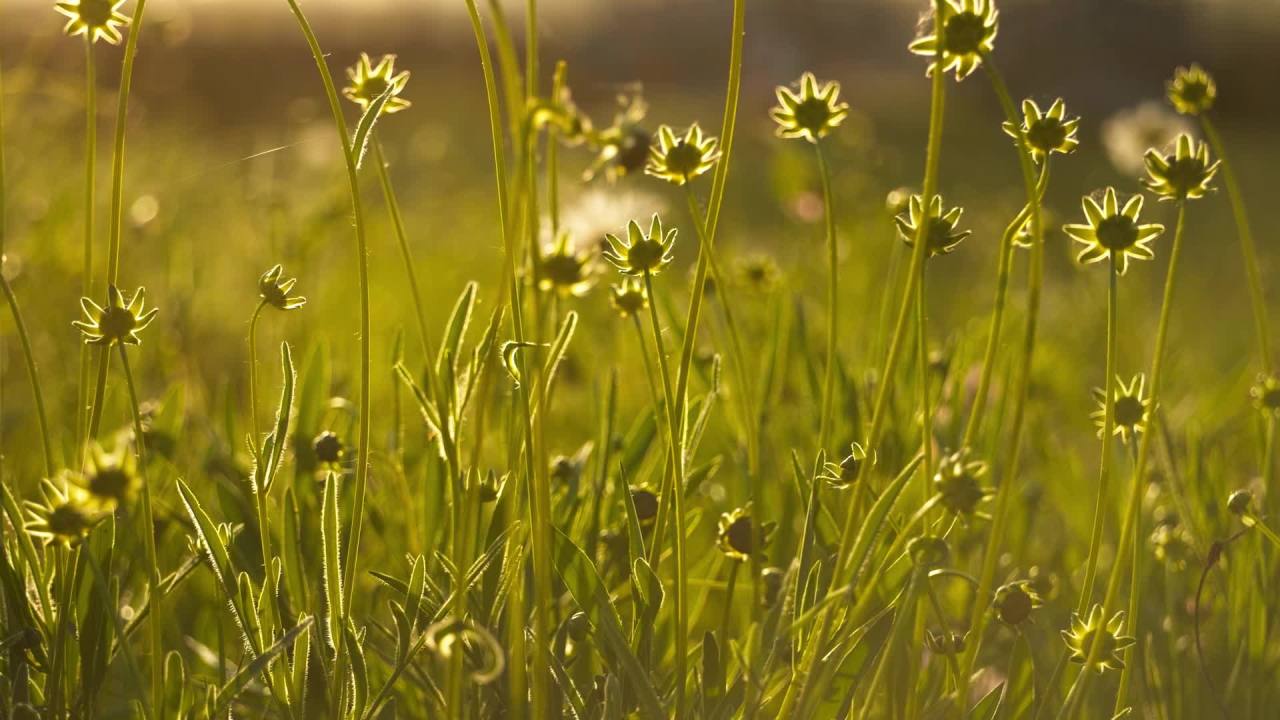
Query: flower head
x=1084, y=634
x=1192, y=90
x=97, y=19
x=812, y=113
x=623, y=147
x=274, y=291
x=1113, y=232
x=737, y=534
x=117, y=324
x=1172, y=545
x=369, y=82
x=938, y=228
x=640, y=253
x=645, y=502
x=629, y=297
x=1183, y=174
x=1266, y=394
x=1130, y=408
x=844, y=474
x=1239, y=502
x=564, y=270
x=64, y=516
x=112, y=479
x=958, y=483
x=1049, y=131
x=928, y=551
x=969, y=32
x=945, y=642
x=329, y=450
x=1014, y=602
x=681, y=159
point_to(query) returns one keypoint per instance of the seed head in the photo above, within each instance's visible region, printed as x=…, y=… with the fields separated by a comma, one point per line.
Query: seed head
x=1113, y=232
x=1046, y=132
x=1105, y=633
x=369, y=82
x=1130, y=408
x=97, y=19
x=969, y=33
x=945, y=642
x=329, y=450
x=119, y=323
x=812, y=112
x=940, y=234
x=1239, y=502
x=646, y=504
x=275, y=291
x=681, y=159
x=846, y=473
x=1184, y=174
x=1192, y=90
x=112, y=479
x=65, y=515
x=928, y=551
x=640, y=253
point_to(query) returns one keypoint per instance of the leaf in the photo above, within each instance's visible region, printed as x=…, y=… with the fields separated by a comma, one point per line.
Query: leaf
x=216, y=550
x=456, y=330
x=558, y=349
x=359, y=670
x=228, y=693
x=588, y=591
x=875, y=519
x=364, y=131
x=281, y=431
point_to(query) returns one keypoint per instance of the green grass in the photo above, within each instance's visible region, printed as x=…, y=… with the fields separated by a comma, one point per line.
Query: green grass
x=530, y=514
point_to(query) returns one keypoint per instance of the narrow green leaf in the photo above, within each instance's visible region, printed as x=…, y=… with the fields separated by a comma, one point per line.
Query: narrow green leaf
x=364, y=131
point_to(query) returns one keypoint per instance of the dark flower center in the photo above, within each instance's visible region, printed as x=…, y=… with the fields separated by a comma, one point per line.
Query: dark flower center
x=960, y=491
x=562, y=269
x=373, y=87
x=646, y=504
x=965, y=33
x=683, y=158
x=95, y=13
x=1015, y=606
x=1106, y=642
x=1129, y=411
x=813, y=114
x=1271, y=398
x=328, y=448
x=110, y=483
x=645, y=255
x=1046, y=135
x=1184, y=174
x=1117, y=232
x=738, y=535
x=632, y=150
x=67, y=521
x=116, y=323
x=939, y=236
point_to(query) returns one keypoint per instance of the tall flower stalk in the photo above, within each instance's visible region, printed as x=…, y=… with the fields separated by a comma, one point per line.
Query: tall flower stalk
x=90, y=202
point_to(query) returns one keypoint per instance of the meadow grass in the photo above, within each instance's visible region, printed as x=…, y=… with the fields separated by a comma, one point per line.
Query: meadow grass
x=641, y=471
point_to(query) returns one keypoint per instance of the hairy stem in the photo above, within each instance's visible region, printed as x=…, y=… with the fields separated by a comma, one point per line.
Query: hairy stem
x=833, y=301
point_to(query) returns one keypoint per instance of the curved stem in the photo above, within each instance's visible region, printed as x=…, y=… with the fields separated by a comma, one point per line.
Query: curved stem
x=362, y=264
x=32, y=374
x=677, y=502
x=154, y=592
x=117, y=158
x=1248, y=248
x=833, y=302
x=255, y=441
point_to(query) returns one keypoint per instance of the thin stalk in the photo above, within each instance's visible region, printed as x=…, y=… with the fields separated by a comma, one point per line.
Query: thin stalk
x=540, y=488
x=1034, y=189
x=894, y=640
x=926, y=411
x=1129, y=534
x=1003, y=270
x=720, y=176
x=117, y=157
x=90, y=201
x=933, y=152
x=726, y=617
x=677, y=501
x=1108, y=432
x=833, y=301
x=28, y=357
x=154, y=591
x=362, y=264
x=255, y=440
x=1248, y=248
x=406, y=255
x=99, y=392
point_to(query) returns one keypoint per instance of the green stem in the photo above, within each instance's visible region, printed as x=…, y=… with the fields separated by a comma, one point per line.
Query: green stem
x=833, y=301
x=29, y=357
x=1248, y=248
x=676, y=438
x=720, y=176
x=406, y=255
x=726, y=617
x=362, y=263
x=1129, y=534
x=154, y=591
x=1034, y=189
x=922, y=353
x=895, y=639
x=90, y=172
x=99, y=392
x=540, y=520
x=117, y=158
x=255, y=440
x=1108, y=433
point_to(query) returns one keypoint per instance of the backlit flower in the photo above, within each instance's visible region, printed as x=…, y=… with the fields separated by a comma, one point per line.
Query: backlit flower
x=369, y=82
x=811, y=113
x=1113, y=232
x=117, y=324
x=969, y=32
x=98, y=19
x=681, y=159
